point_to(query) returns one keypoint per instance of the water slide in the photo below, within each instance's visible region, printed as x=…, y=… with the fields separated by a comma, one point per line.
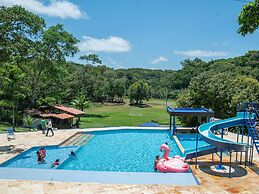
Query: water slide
x=216, y=142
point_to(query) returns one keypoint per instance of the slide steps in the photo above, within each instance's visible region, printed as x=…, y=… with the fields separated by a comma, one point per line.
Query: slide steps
x=254, y=133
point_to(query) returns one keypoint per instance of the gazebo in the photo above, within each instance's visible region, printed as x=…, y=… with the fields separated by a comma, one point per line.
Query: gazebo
x=194, y=112
x=62, y=116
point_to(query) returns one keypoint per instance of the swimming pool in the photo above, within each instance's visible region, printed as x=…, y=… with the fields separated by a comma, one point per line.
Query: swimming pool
x=121, y=151
x=28, y=159
x=113, y=150
x=119, y=156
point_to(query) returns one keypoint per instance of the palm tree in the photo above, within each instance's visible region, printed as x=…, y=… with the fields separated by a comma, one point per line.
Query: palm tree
x=81, y=102
x=28, y=121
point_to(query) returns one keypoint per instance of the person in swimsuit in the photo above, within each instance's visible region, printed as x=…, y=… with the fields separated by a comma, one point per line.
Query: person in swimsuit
x=72, y=153
x=56, y=163
x=41, y=153
x=39, y=157
x=156, y=162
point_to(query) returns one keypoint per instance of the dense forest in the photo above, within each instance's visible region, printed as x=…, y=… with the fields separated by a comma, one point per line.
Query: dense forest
x=34, y=72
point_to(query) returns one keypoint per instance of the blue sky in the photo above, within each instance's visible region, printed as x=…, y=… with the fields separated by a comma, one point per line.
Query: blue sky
x=148, y=33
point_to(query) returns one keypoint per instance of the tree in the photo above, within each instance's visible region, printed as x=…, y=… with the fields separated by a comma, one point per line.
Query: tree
x=39, y=51
x=101, y=88
x=249, y=18
x=51, y=49
x=221, y=92
x=81, y=102
x=28, y=120
x=12, y=89
x=139, y=91
x=18, y=30
x=120, y=88
x=91, y=59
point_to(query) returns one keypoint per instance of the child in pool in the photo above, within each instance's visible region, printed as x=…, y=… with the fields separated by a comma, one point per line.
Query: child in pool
x=39, y=156
x=56, y=163
x=72, y=153
x=41, y=153
x=155, y=162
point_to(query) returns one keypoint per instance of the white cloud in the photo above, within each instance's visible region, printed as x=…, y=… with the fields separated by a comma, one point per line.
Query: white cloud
x=158, y=60
x=117, y=65
x=113, y=44
x=56, y=8
x=201, y=53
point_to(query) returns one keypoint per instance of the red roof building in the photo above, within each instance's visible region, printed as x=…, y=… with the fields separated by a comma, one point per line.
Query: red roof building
x=69, y=110
x=61, y=116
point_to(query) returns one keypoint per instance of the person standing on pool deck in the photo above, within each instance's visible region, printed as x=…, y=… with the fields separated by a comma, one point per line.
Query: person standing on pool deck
x=49, y=126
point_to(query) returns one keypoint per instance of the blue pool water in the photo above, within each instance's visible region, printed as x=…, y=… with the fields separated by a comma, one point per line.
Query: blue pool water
x=113, y=150
x=28, y=159
x=188, y=142
x=122, y=151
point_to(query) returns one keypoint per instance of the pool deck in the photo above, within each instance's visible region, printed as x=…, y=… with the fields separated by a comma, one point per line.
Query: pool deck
x=244, y=180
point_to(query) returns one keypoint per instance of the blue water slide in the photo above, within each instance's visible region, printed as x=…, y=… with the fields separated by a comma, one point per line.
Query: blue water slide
x=206, y=131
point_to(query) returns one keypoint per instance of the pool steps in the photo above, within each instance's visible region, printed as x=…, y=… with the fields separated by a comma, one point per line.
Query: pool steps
x=178, y=143
x=77, y=140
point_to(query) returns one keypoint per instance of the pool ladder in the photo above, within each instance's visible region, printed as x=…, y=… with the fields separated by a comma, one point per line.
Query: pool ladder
x=77, y=140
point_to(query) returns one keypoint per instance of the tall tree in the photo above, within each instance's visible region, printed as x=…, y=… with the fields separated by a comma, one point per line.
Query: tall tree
x=139, y=91
x=220, y=91
x=18, y=30
x=249, y=18
x=12, y=89
x=52, y=47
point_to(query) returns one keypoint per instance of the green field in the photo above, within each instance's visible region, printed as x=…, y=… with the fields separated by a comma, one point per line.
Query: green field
x=3, y=128
x=115, y=114
x=108, y=115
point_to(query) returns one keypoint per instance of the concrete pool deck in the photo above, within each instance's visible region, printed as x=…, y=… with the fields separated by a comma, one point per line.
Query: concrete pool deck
x=245, y=180
x=98, y=176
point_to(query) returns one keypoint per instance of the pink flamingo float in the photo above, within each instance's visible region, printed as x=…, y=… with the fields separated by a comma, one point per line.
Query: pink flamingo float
x=168, y=164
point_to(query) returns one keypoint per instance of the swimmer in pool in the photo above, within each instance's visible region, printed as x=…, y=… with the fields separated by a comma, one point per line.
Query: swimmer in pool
x=72, y=153
x=56, y=163
x=156, y=162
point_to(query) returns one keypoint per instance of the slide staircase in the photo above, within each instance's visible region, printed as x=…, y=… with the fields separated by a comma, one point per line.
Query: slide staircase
x=254, y=134
x=253, y=131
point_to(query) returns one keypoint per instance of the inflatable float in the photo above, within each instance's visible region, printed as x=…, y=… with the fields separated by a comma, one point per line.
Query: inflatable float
x=168, y=164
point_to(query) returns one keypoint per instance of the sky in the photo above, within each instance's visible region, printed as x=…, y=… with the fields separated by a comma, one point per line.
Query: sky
x=148, y=33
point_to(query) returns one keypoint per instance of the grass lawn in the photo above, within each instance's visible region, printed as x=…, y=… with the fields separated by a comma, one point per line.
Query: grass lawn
x=17, y=129
x=114, y=114
x=108, y=115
